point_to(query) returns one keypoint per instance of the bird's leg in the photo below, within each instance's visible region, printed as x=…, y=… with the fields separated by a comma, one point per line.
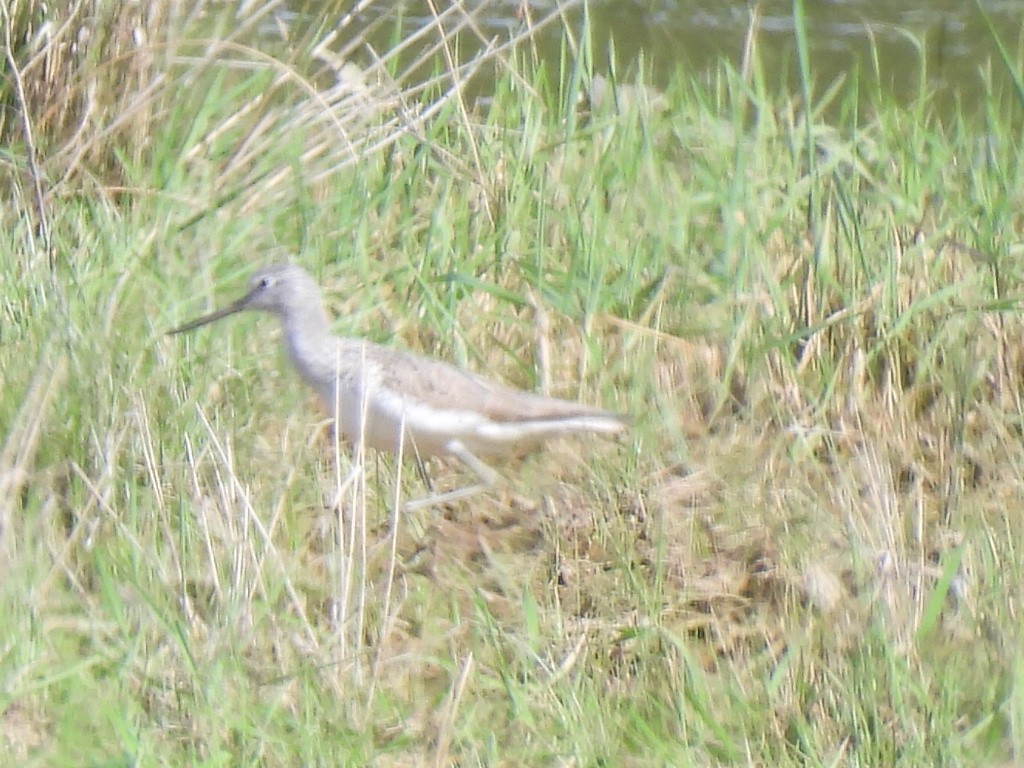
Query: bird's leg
x=343, y=481
x=421, y=470
x=488, y=476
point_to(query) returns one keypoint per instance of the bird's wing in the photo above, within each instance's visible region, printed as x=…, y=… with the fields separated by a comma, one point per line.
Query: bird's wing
x=443, y=386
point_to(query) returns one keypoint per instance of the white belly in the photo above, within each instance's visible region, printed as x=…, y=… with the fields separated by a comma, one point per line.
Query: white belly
x=378, y=420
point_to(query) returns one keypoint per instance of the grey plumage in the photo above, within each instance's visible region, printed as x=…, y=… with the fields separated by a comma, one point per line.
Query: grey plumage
x=373, y=390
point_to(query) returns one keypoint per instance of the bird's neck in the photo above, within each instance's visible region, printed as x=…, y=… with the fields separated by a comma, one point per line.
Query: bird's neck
x=306, y=329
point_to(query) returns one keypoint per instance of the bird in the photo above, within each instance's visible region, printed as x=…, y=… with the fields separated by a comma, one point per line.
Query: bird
x=399, y=402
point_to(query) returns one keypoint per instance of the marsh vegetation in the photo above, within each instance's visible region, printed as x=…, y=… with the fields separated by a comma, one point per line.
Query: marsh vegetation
x=806, y=551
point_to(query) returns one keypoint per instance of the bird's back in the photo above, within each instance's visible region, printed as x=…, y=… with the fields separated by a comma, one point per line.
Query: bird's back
x=375, y=389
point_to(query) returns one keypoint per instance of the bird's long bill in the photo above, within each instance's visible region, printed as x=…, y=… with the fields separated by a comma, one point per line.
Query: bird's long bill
x=237, y=306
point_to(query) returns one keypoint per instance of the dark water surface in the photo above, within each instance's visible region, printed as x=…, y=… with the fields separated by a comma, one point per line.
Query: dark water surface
x=891, y=43
x=951, y=38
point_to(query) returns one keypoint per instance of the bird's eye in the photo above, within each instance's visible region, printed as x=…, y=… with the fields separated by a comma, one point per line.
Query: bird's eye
x=263, y=284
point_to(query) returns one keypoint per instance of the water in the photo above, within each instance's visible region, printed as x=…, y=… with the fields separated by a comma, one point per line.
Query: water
x=884, y=41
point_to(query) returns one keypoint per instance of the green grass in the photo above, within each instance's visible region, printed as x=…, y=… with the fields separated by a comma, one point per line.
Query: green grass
x=805, y=552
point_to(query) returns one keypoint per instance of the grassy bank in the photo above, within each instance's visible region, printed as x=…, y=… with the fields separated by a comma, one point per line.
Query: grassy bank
x=805, y=552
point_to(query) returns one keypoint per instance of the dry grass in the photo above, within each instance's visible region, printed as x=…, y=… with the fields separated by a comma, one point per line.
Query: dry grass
x=805, y=551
